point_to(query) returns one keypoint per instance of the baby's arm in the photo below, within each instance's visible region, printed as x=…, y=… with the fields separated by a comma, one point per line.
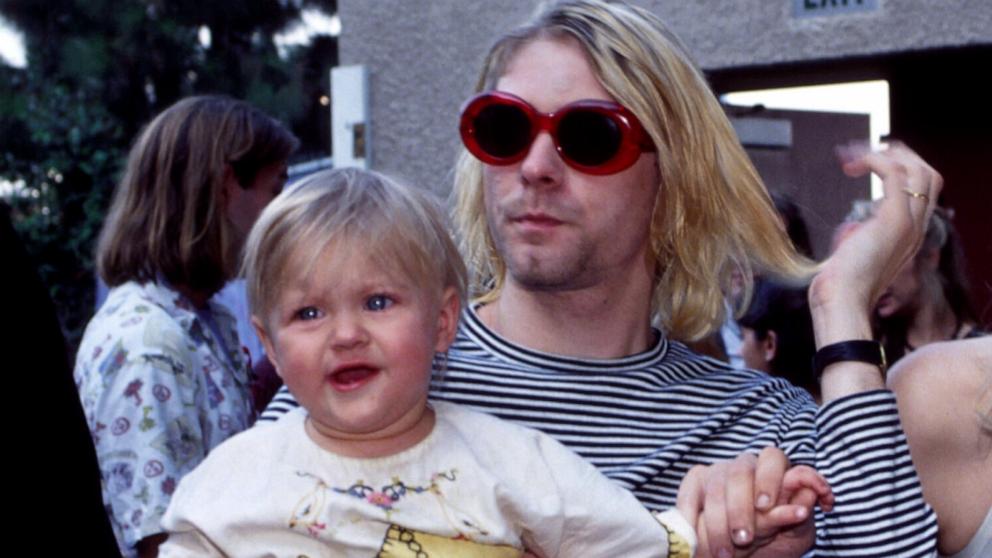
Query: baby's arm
x=186, y=538
x=188, y=543
x=568, y=508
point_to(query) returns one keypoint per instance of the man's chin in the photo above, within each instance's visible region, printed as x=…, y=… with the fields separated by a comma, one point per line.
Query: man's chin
x=543, y=275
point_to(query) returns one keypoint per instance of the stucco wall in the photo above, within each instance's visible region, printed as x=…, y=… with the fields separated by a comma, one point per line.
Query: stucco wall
x=423, y=55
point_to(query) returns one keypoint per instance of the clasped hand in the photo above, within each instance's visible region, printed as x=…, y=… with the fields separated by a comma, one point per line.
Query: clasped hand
x=753, y=506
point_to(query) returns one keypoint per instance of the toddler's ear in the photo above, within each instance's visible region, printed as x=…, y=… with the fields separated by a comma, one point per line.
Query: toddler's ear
x=447, y=319
x=270, y=352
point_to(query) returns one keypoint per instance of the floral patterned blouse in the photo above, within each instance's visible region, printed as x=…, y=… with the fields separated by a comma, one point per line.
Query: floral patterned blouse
x=161, y=383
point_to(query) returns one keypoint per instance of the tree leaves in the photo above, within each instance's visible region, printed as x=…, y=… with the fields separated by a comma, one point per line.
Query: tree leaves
x=100, y=69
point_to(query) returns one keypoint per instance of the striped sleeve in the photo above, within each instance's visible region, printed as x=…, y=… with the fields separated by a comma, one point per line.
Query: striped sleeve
x=863, y=454
x=282, y=403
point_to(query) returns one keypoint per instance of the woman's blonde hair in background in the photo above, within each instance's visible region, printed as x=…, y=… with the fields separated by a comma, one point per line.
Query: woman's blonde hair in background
x=712, y=213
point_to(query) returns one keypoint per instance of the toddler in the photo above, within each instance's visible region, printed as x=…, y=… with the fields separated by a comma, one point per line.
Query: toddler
x=355, y=289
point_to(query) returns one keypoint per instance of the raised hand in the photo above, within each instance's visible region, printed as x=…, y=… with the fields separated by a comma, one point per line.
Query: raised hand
x=865, y=262
x=843, y=293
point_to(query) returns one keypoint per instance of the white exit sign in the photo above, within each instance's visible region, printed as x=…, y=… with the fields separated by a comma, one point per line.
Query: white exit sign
x=815, y=8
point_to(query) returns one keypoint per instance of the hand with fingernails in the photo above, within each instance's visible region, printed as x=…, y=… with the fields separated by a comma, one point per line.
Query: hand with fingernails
x=753, y=506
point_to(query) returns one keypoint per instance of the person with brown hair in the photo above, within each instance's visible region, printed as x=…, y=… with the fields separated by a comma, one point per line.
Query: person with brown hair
x=160, y=371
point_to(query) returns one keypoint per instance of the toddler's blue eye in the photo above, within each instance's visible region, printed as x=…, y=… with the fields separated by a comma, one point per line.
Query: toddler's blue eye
x=378, y=302
x=308, y=313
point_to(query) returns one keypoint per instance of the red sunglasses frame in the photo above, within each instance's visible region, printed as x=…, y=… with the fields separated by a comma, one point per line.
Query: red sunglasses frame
x=634, y=140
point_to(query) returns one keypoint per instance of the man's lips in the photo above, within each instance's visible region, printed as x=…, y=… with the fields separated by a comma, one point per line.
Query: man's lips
x=537, y=220
x=351, y=376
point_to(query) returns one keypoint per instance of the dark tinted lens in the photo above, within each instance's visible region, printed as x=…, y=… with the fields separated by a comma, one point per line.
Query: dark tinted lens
x=588, y=137
x=502, y=130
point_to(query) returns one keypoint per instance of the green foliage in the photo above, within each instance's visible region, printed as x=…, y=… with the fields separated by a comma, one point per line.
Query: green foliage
x=97, y=71
x=64, y=157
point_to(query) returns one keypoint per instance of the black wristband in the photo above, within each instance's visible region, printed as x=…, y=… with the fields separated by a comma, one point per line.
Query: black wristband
x=857, y=350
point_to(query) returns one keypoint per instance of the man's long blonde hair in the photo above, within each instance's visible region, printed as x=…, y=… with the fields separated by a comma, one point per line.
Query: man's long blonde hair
x=712, y=214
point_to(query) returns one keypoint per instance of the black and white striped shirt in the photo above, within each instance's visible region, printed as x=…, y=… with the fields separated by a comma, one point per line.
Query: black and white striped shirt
x=644, y=420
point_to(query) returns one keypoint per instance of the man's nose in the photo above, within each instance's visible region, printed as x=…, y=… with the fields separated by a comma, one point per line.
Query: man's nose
x=542, y=166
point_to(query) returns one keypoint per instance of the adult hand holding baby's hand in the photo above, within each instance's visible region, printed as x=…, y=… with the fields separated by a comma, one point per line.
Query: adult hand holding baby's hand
x=753, y=506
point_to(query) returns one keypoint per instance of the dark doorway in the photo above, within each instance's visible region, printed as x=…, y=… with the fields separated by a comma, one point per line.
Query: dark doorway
x=939, y=106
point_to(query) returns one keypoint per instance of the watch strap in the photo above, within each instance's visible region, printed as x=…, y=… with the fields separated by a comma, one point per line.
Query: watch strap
x=858, y=350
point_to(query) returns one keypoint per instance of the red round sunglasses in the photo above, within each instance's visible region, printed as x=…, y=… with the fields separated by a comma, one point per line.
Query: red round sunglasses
x=591, y=136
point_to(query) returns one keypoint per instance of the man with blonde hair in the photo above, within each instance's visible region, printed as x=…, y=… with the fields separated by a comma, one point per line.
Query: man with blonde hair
x=601, y=189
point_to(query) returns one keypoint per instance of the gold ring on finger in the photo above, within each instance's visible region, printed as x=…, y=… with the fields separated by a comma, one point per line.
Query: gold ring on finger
x=923, y=197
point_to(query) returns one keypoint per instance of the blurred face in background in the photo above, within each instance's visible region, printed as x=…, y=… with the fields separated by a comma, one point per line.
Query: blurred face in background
x=757, y=353
x=246, y=203
x=902, y=295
